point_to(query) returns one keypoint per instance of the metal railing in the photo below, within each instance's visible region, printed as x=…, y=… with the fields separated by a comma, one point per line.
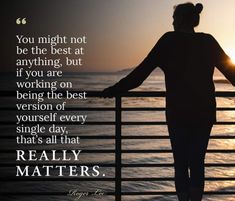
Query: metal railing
x=118, y=151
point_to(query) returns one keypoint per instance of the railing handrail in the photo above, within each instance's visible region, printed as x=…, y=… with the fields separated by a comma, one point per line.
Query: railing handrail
x=126, y=94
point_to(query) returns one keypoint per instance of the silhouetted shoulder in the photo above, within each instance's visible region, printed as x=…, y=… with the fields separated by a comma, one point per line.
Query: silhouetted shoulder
x=207, y=36
x=171, y=34
x=165, y=40
x=168, y=35
x=216, y=50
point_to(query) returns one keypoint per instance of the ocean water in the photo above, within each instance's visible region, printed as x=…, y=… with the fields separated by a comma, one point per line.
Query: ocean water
x=98, y=81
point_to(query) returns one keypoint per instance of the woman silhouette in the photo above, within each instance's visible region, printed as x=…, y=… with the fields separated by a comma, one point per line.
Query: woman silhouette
x=188, y=60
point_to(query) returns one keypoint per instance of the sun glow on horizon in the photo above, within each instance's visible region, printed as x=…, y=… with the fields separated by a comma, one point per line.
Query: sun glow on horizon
x=231, y=54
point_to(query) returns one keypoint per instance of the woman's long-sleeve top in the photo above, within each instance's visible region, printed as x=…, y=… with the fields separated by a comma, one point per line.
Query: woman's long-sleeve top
x=188, y=61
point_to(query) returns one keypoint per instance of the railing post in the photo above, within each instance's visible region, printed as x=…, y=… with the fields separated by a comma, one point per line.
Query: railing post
x=118, y=148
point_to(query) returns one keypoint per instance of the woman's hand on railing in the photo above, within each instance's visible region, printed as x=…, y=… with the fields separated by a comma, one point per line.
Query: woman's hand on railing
x=109, y=92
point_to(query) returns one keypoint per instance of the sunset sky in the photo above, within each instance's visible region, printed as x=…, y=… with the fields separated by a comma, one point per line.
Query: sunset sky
x=121, y=32
x=134, y=26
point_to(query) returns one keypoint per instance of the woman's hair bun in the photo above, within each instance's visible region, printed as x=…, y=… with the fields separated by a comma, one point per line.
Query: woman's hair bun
x=198, y=8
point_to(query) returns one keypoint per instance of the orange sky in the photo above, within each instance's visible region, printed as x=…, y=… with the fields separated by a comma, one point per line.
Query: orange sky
x=133, y=30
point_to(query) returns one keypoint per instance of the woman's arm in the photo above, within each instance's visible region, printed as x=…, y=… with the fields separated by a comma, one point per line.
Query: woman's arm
x=223, y=62
x=139, y=74
x=228, y=69
x=132, y=80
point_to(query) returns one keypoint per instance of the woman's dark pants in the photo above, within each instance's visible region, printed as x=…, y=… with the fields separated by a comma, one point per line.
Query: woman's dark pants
x=189, y=145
